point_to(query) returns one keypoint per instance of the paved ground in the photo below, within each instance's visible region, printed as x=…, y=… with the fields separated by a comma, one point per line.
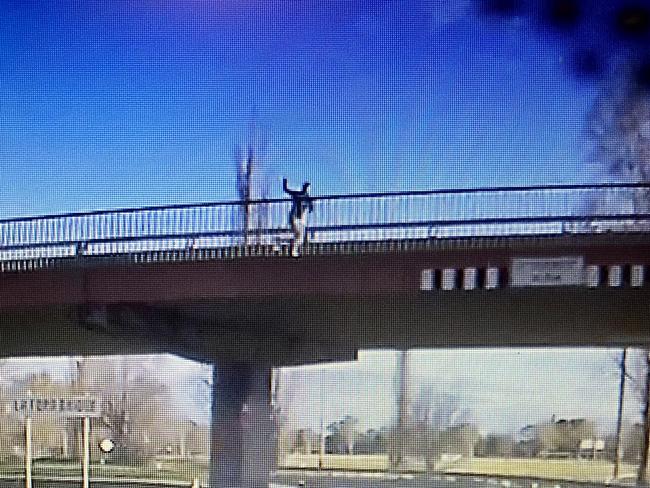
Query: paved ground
x=343, y=480
x=39, y=483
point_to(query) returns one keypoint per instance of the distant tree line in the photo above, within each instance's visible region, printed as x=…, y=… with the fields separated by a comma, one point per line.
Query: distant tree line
x=556, y=438
x=438, y=428
x=135, y=414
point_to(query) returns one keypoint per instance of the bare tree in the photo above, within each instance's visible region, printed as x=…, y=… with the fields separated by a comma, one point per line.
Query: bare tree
x=349, y=432
x=566, y=435
x=496, y=445
x=344, y=433
x=133, y=402
x=642, y=475
x=47, y=429
x=289, y=397
x=437, y=410
x=618, y=128
x=439, y=423
x=252, y=185
x=633, y=370
x=619, y=414
x=5, y=421
x=306, y=441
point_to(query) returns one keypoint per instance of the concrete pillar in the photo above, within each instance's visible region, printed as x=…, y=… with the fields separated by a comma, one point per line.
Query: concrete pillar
x=260, y=457
x=242, y=450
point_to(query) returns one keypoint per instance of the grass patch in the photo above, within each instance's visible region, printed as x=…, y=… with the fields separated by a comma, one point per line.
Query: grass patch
x=10, y=469
x=341, y=462
x=186, y=470
x=568, y=469
x=171, y=470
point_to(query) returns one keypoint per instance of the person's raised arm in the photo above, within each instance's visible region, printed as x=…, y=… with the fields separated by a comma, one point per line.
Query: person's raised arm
x=292, y=193
x=286, y=189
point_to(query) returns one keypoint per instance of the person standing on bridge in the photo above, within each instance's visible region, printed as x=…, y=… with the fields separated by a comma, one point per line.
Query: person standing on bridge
x=301, y=202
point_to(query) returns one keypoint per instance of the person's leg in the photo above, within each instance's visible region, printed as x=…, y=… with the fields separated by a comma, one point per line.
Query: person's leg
x=298, y=225
x=296, y=231
x=303, y=239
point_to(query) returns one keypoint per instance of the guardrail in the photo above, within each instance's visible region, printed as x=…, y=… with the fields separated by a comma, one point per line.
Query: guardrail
x=503, y=211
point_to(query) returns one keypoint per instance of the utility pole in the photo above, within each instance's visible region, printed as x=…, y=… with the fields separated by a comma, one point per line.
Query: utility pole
x=321, y=443
x=619, y=417
x=403, y=389
x=402, y=413
x=86, y=453
x=79, y=387
x=642, y=475
x=28, y=452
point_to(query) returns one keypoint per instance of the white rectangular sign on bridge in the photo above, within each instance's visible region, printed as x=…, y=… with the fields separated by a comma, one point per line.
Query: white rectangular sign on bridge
x=552, y=271
x=69, y=407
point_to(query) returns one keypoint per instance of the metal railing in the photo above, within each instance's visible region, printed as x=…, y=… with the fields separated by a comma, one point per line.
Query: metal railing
x=533, y=210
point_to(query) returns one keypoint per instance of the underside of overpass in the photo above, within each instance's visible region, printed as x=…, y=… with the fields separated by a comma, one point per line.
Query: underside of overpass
x=307, y=328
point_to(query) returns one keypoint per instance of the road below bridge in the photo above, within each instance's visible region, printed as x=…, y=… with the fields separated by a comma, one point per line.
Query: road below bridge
x=335, y=480
x=381, y=480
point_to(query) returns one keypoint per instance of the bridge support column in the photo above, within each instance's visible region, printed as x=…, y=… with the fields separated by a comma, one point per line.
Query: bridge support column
x=242, y=450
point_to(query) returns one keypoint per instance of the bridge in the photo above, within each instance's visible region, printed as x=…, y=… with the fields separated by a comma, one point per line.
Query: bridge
x=561, y=265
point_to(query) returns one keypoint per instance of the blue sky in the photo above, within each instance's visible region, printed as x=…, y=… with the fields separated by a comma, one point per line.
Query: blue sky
x=109, y=104
x=502, y=389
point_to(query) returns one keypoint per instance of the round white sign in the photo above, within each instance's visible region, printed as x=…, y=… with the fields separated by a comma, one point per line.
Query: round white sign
x=106, y=445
